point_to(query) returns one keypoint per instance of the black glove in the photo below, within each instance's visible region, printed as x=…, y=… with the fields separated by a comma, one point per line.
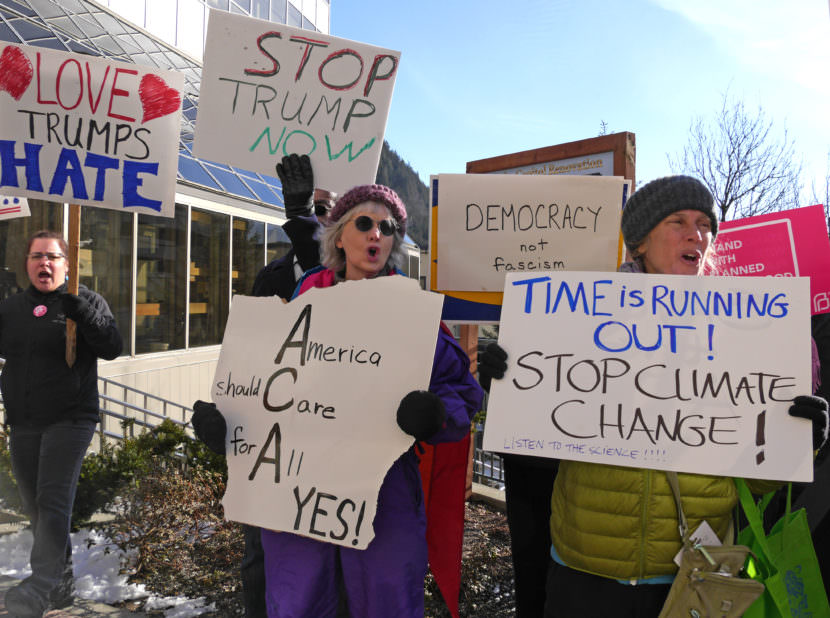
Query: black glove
x=297, y=185
x=421, y=414
x=209, y=426
x=491, y=364
x=815, y=409
x=75, y=307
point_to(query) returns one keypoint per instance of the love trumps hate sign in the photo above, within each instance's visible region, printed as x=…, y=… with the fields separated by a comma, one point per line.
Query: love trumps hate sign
x=691, y=374
x=309, y=391
x=269, y=90
x=89, y=131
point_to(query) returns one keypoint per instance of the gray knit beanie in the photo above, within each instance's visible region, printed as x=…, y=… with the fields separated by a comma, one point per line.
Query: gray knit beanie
x=659, y=198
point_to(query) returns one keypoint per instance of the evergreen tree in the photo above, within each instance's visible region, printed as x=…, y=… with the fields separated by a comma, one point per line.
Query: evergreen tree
x=394, y=172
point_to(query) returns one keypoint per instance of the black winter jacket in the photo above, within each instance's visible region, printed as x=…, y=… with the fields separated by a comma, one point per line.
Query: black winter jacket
x=278, y=278
x=37, y=385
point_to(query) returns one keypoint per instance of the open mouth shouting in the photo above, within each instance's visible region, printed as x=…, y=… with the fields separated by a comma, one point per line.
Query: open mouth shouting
x=44, y=276
x=692, y=259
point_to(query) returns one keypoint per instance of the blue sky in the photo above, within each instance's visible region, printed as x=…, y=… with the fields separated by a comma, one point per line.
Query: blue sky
x=480, y=79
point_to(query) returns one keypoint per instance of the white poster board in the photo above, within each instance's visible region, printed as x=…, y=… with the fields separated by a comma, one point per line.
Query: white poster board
x=12, y=207
x=493, y=224
x=88, y=130
x=692, y=374
x=309, y=391
x=269, y=90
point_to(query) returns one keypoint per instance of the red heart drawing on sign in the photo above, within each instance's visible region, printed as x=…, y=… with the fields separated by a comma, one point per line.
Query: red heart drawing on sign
x=15, y=72
x=157, y=98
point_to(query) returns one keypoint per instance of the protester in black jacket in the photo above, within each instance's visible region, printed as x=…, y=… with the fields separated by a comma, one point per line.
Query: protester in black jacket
x=52, y=410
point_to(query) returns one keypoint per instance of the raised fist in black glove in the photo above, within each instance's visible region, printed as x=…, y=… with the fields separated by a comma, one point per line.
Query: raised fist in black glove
x=421, y=414
x=491, y=364
x=75, y=307
x=297, y=185
x=815, y=409
x=209, y=426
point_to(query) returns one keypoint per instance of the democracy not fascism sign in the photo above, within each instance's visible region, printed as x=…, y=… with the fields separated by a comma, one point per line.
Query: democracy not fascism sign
x=309, y=391
x=269, y=90
x=88, y=130
x=692, y=374
x=491, y=225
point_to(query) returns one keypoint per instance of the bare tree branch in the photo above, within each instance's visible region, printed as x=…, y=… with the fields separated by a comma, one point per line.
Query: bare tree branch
x=821, y=194
x=736, y=154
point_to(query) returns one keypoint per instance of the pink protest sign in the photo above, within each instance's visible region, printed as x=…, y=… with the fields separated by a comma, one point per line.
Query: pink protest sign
x=790, y=243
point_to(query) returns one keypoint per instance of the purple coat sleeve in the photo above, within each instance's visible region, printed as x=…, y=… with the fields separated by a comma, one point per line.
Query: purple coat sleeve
x=452, y=381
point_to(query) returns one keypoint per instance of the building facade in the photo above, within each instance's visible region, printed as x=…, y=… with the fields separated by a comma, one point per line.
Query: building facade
x=168, y=281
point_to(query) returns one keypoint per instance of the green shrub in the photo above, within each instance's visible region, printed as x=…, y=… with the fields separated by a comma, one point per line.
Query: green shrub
x=171, y=523
x=118, y=467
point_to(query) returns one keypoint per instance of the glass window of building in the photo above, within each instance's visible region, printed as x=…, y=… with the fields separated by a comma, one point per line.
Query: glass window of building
x=190, y=27
x=294, y=17
x=105, y=261
x=218, y=4
x=14, y=238
x=278, y=11
x=414, y=267
x=161, y=277
x=161, y=19
x=310, y=10
x=248, y=254
x=209, y=276
x=132, y=10
x=278, y=242
x=259, y=9
x=322, y=21
x=242, y=7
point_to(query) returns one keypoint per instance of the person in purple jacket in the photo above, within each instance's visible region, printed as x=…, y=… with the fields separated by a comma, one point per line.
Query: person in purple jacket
x=307, y=577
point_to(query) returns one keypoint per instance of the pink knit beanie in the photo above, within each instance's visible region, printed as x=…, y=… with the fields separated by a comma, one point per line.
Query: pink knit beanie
x=375, y=193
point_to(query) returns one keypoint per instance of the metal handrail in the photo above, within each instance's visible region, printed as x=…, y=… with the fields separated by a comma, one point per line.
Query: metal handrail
x=142, y=416
x=488, y=468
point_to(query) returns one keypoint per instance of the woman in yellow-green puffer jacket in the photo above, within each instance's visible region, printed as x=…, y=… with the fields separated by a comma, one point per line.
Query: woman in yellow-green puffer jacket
x=614, y=530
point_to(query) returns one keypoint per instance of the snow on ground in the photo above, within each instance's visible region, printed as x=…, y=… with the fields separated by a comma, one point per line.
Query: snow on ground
x=97, y=566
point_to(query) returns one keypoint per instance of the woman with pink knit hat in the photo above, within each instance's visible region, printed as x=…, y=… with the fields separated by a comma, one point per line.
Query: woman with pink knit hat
x=306, y=577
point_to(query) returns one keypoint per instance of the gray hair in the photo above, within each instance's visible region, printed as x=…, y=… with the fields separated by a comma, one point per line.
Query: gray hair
x=334, y=258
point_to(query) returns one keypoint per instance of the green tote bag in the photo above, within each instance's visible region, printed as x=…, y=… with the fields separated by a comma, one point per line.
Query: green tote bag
x=791, y=575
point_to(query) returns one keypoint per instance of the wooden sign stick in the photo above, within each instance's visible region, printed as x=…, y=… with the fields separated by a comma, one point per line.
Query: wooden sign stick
x=72, y=285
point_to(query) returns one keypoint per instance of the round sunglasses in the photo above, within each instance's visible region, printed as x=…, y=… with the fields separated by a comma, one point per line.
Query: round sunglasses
x=365, y=223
